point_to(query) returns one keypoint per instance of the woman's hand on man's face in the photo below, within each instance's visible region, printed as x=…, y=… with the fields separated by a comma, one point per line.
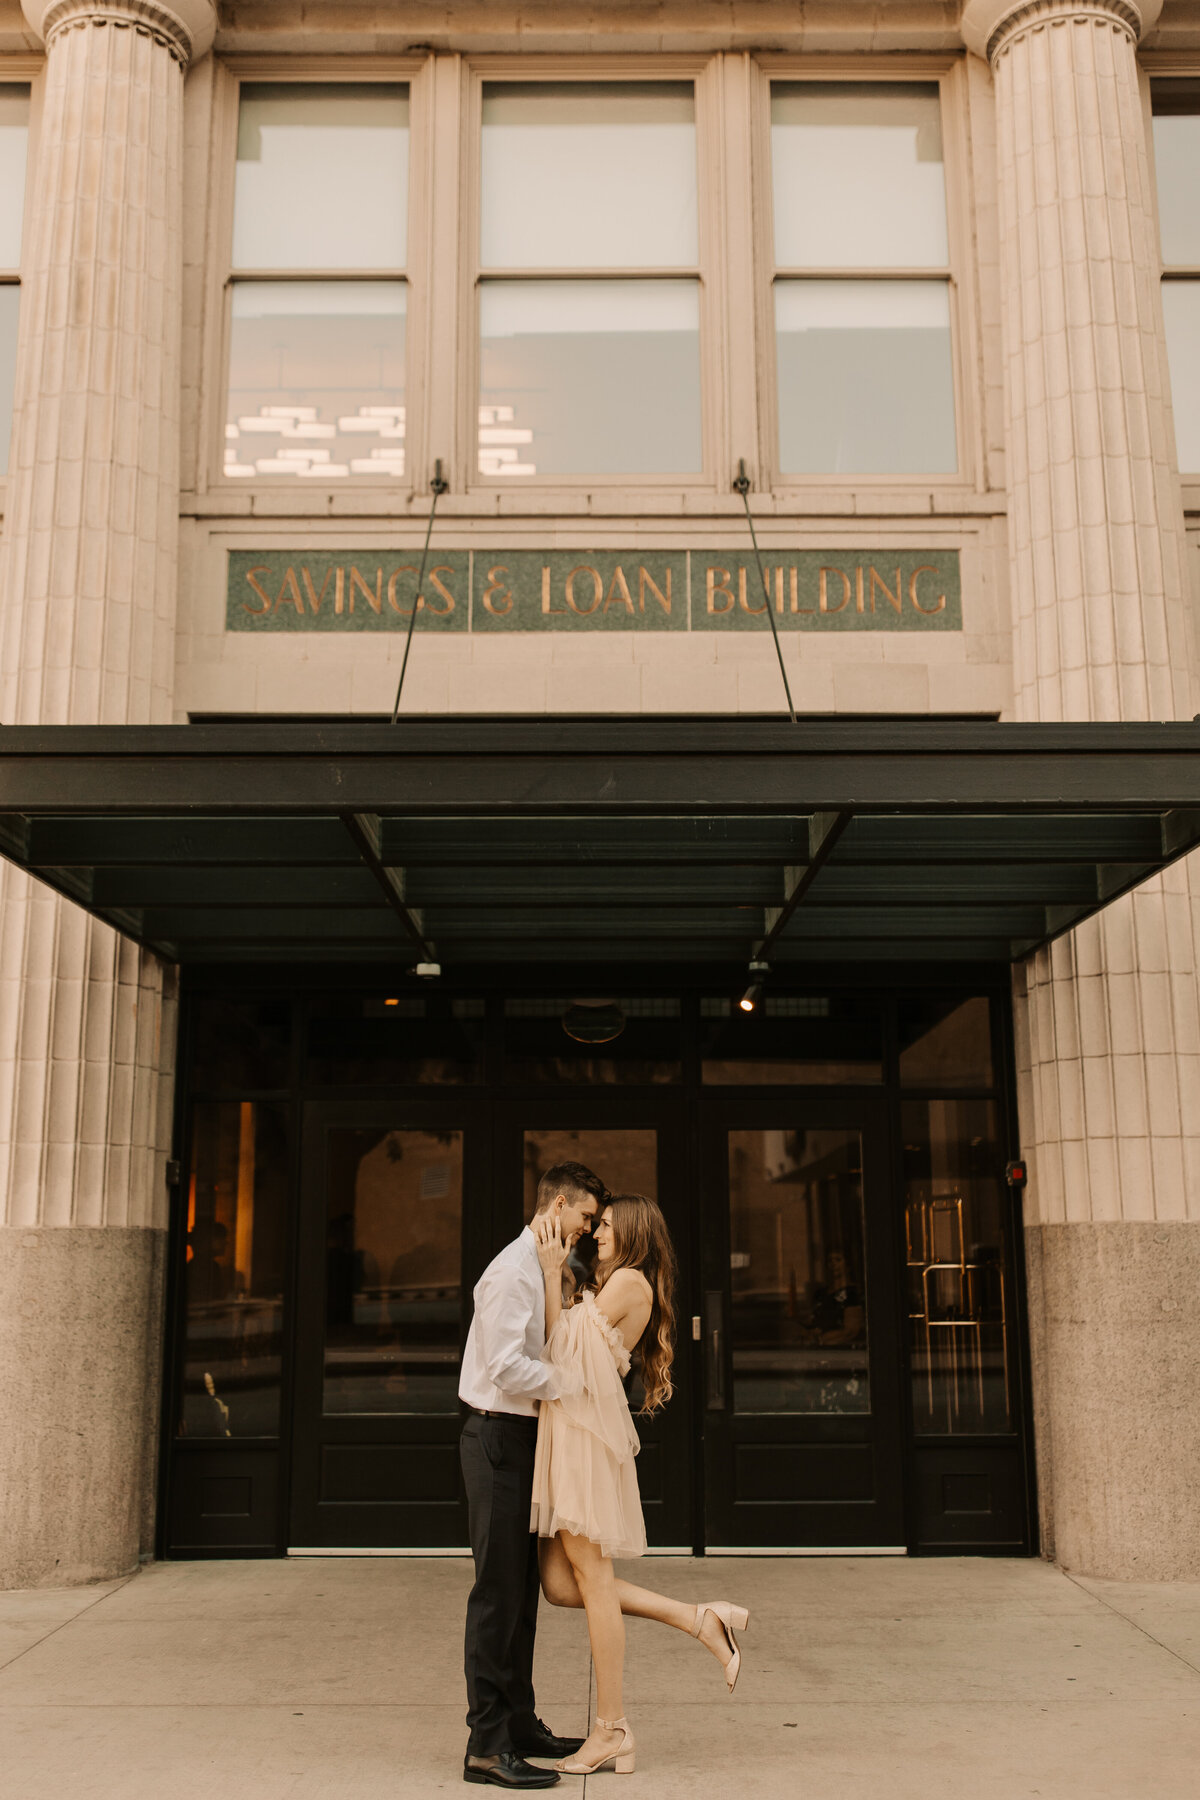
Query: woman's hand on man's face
x=552, y=1248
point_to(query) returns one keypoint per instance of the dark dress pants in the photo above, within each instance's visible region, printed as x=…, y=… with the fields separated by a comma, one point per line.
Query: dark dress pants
x=497, y=1466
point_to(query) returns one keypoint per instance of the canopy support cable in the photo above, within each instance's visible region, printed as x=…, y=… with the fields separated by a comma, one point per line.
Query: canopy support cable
x=742, y=486
x=437, y=487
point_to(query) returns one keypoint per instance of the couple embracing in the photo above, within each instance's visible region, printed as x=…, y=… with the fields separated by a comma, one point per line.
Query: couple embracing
x=547, y=1456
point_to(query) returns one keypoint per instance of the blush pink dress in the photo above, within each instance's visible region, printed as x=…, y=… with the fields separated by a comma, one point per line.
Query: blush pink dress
x=584, y=1479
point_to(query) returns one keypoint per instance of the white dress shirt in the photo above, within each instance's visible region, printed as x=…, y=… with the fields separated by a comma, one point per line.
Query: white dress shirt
x=502, y=1367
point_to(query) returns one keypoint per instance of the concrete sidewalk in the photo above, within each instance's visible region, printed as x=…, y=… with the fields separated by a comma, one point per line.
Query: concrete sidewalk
x=865, y=1679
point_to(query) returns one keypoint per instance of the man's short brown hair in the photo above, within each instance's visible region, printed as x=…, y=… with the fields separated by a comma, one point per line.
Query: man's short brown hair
x=575, y=1180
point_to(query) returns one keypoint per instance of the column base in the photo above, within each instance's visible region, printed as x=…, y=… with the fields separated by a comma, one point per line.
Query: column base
x=1115, y=1339
x=80, y=1378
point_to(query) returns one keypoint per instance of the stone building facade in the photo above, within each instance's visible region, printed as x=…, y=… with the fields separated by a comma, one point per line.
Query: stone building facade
x=133, y=489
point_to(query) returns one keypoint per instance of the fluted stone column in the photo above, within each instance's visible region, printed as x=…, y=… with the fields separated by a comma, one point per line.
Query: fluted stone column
x=1108, y=1018
x=87, y=591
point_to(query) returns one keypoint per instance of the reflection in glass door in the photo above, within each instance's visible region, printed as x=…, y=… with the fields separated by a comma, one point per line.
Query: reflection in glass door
x=393, y=1270
x=802, y=1440
x=381, y=1327
x=797, y=1272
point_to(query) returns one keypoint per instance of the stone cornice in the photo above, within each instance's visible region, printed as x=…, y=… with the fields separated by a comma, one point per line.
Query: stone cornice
x=990, y=26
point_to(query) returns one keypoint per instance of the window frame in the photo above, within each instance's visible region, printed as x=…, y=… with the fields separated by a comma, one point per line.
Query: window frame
x=959, y=274
x=699, y=71
x=236, y=72
x=21, y=71
x=1155, y=66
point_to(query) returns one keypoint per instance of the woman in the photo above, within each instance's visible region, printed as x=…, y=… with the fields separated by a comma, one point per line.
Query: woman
x=586, y=1507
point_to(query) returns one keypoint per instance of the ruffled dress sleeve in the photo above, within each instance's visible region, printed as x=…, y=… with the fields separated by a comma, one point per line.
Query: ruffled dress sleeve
x=590, y=1362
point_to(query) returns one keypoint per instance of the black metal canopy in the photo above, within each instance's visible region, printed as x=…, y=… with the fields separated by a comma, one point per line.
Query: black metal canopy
x=494, y=841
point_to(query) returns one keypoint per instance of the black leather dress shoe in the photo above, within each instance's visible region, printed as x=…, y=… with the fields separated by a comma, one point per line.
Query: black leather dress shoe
x=542, y=1742
x=509, y=1771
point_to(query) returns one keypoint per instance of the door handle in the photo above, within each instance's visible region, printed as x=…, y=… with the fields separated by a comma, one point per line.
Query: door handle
x=714, y=1343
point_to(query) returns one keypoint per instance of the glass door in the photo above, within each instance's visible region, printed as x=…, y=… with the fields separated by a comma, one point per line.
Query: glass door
x=384, y=1266
x=799, y=1326
x=635, y=1143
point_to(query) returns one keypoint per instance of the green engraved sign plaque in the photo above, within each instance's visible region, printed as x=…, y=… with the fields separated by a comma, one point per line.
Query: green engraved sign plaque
x=594, y=590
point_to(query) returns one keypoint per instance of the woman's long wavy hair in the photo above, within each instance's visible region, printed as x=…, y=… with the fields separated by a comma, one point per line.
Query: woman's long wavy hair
x=641, y=1241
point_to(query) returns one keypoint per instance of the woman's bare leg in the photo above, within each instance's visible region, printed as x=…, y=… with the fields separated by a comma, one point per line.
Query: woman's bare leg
x=561, y=1588
x=606, y=1633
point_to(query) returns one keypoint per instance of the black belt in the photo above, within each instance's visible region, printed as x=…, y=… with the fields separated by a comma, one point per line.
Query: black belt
x=482, y=1412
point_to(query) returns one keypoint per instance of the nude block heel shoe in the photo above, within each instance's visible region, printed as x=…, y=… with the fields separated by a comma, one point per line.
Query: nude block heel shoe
x=733, y=1618
x=620, y=1761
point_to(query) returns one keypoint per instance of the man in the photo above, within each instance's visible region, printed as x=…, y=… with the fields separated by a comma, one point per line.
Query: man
x=503, y=1379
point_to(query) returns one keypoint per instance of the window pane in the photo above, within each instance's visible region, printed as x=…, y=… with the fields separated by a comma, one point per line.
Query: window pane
x=866, y=384
x=858, y=175
x=356, y=1039
x=236, y=1251
x=316, y=380
x=241, y=1043
x=393, y=1271
x=806, y=1039
x=589, y=377
x=1181, y=312
x=957, y=1259
x=1177, y=169
x=322, y=177
x=945, y=1043
x=10, y=313
x=14, y=145
x=797, y=1272
x=589, y=175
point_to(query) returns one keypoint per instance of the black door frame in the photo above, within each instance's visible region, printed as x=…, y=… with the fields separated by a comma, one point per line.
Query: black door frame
x=817, y=1521
x=433, y=1514
x=264, y=1465
x=670, y=1465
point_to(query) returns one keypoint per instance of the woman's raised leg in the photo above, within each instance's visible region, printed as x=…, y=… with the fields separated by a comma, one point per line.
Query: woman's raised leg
x=560, y=1587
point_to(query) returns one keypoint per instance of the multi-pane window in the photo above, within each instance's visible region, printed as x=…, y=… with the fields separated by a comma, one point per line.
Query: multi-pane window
x=14, y=146
x=589, y=280
x=319, y=300
x=862, y=279
x=1176, y=106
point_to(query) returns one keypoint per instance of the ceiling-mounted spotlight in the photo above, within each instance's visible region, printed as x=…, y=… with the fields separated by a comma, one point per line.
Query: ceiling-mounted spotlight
x=754, y=992
x=428, y=970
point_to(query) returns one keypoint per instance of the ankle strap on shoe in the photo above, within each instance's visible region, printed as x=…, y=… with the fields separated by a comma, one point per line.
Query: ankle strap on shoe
x=614, y=1724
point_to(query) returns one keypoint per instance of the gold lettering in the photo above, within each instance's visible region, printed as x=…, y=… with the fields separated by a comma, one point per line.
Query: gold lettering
x=646, y=580
x=823, y=590
x=339, y=591
x=895, y=600
x=314, y=599
x=374, y=599
x=290, y=592
x=496, y=597
x=555, y=612
x=713, y=587
x=393, y=578
x=925, y=569
x=779, y=605
x=743, y=602
x=618, y=592
x=441, y=612
x=858, y=588
x=796, y=606
x=597, y=589
x=262, y=569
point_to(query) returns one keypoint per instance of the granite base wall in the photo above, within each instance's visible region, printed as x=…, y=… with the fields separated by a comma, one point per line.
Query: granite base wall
x=1115, y=1345
x=80, y=1376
